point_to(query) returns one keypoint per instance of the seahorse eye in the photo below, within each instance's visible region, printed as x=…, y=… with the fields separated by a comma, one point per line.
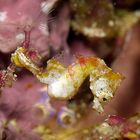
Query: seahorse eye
x=104, y=99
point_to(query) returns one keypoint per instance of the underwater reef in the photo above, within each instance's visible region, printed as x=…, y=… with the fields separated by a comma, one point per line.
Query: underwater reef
x=69, y=70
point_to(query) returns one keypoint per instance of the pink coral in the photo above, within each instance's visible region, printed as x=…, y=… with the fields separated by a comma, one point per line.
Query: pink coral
x=18, y=16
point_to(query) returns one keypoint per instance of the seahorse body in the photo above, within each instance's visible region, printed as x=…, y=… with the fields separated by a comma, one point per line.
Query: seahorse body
x=64, y=82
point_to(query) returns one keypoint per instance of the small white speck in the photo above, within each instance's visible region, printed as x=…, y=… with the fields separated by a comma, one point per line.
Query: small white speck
x=46, y=7
x=20, y=37
x=111, y=23
x=94, y=31
x=3, y=16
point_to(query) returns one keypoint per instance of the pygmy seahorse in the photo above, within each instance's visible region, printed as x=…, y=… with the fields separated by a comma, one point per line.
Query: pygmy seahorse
x=63, y=82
